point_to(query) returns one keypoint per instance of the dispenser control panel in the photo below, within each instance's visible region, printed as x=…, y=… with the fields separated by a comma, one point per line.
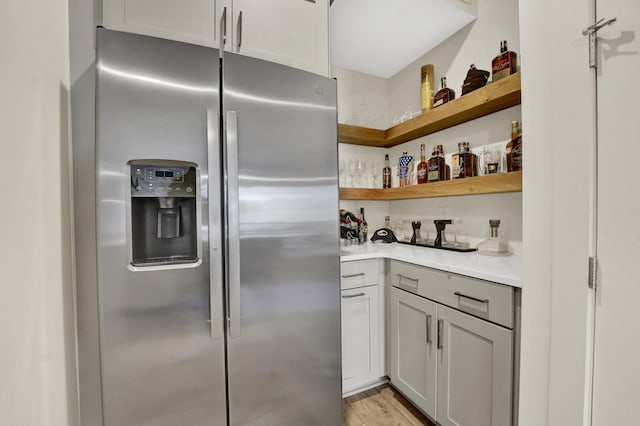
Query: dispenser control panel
x=163, y=181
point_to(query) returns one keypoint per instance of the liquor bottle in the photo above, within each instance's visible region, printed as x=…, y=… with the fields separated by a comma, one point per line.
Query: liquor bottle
x=470, y=162
x=364, y=228
x=436, y=171
x=505, y=64
x=426, y=80
x=447, y=174
x=443, y=95
x=386, y=173
x=514, y=148
x=457, y=162
x=405, y=165
x=422, y=166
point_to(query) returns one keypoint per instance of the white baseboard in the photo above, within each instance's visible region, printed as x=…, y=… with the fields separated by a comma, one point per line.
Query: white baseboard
x=367, y=386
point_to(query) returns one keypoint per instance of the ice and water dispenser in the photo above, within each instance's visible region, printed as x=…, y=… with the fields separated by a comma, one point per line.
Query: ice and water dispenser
x=163, y=213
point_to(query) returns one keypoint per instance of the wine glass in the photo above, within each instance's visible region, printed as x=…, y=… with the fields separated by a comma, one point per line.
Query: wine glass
x=353, y=164
x=375, y=173
x=361, y=171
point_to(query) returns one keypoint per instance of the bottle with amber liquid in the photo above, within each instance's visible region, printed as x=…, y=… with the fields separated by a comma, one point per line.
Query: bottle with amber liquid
x=457, y=162
x=426, y=82
x=443, y=95
x=514, y=148
x=422, y=166
x=436, y=167
x=470, y=162
x=447, y=168
x=386, y=173
x=505, y=64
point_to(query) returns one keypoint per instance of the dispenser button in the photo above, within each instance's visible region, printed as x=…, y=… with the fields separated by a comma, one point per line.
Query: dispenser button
x=189, y=189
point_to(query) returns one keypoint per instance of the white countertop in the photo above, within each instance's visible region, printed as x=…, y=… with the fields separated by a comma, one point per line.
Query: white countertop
x=500, y=269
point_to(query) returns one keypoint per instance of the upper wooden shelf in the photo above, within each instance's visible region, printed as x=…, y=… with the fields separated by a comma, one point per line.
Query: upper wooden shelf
x=489, y=184
x=492, y=98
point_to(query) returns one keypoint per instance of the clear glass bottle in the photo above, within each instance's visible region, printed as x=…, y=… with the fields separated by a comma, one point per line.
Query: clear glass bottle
x=494, y=245
x=405, y=164
x=422, y=166
x=443, y=95
x=364, y=228
x=386, y=173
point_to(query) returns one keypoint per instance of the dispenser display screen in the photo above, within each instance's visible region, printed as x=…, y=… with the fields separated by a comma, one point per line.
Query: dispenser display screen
x=165, y=181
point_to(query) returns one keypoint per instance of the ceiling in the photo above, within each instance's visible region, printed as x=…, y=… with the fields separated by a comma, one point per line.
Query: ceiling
x=380, y=37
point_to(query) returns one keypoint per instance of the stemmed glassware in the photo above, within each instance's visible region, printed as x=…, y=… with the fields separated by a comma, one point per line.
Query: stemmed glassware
x=375, y=173
x=353, y=165
x=361, y=170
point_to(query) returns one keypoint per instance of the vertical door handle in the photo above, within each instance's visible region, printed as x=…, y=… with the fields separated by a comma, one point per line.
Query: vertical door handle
x=233, y=225
x=223, y=28
x=429, y=329
x=439, y=344
x=239, y=30
x=214, y=227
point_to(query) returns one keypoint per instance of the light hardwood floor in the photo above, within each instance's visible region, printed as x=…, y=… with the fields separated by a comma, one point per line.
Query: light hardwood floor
x=381, y=406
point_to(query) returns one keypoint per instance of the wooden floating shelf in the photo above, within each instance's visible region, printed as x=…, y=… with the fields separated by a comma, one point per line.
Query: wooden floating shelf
x=488, y=184
x=492, y=98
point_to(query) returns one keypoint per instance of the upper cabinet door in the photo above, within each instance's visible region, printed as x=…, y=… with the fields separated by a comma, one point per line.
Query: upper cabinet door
x=289, y=32
x=190, y=21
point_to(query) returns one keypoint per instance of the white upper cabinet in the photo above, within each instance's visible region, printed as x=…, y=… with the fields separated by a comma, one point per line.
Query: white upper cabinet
x=289, y=32
x=191, y=21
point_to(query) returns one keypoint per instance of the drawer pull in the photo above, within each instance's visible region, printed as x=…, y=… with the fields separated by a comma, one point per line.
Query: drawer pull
x=457, y=293
x=360, y=274
x=429, y=329
x=349, y=296
x=400, y=276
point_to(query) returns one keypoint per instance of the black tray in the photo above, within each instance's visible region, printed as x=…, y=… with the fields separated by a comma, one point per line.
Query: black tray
x=459, y=250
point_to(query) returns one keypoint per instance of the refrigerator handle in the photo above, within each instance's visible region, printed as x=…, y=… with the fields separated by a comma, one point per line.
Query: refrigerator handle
x=214, y=229
x=233, y=224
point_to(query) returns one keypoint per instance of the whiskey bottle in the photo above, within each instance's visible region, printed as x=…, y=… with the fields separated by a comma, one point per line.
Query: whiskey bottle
x=436, y=168
x=514, y=148
x=405, y=164
x=447, y=173
x=505, y=64
x=457, y=162
x=470, y=162
x=426, y=80
x=422, y=166
x=386, y=173
x=443, y=95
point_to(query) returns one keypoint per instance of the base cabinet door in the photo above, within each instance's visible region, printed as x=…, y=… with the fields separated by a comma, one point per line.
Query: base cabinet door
x=361, y=362
x=413, y=354
x=474, y=371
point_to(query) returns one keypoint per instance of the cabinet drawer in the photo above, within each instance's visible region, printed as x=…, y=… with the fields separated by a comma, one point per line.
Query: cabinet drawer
x=483, y=299
x=358, y=273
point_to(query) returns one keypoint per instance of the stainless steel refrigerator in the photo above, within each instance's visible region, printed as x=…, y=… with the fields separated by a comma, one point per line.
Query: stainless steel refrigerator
x=217, y=241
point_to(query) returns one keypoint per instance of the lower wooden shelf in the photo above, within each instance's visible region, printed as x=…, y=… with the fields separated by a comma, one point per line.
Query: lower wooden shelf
x=489, y=184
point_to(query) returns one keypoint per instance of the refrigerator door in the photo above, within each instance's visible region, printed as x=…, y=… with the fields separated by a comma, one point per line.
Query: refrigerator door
x=161, y=332
x=283, y=269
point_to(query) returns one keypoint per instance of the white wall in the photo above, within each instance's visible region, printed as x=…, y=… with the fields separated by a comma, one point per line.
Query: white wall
x=477, y=43
x=362, y=99
x=38, y=385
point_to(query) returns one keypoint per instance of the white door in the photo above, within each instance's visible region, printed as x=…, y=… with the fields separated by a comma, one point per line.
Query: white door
x=289, y=32
x=360, y=337
x=616, y=377
x=413, y=348
x=475, y=360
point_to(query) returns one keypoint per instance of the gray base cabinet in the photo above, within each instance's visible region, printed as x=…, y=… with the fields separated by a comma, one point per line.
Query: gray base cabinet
x=456, y=367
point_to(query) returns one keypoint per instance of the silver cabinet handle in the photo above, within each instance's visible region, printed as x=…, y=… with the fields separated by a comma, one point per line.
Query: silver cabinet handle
x=349, y=296
x=233, y=224
x=429, y=329
x=439, y=344
x=457, y=293
x=360, y=274
x=408, y=278
x=214, y=229
x=239, y=30
x=223, y=28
